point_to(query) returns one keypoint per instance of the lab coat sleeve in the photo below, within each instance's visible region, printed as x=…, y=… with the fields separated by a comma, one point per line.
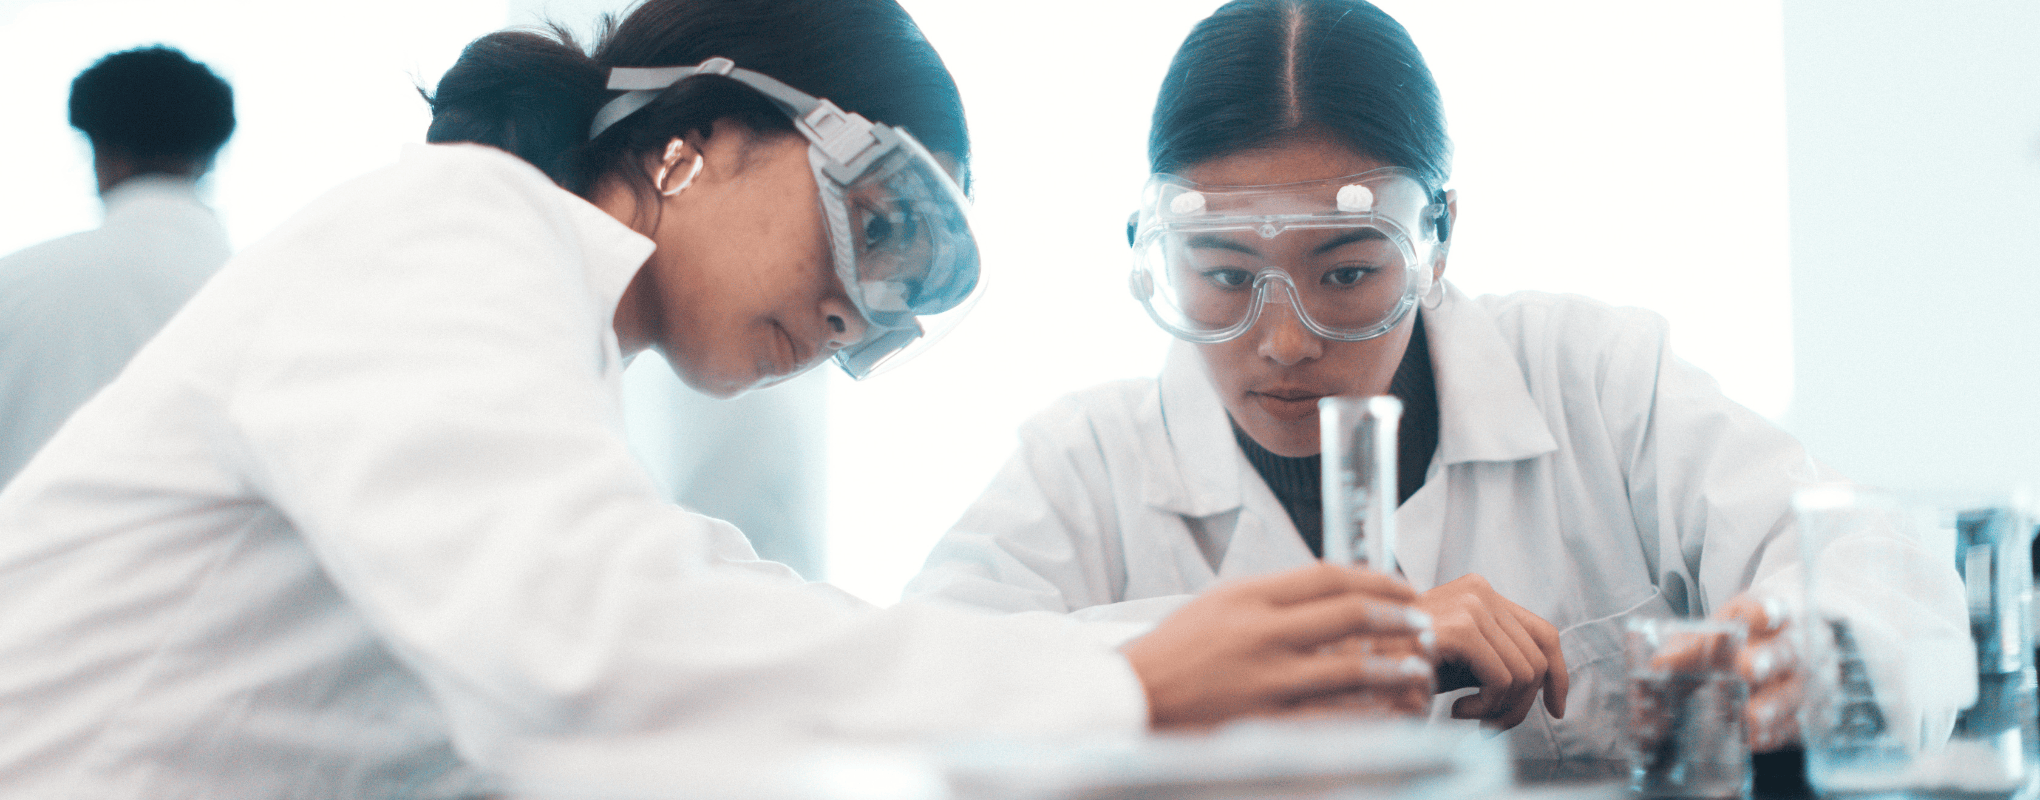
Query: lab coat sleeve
x=1710, y=481
x=1042, y=536
x=450, y=451
x=1714, y=481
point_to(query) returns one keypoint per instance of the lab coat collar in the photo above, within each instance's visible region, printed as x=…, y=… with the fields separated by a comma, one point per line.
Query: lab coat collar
x=612, y=253
x=1484, y=407
x=1485, y=412
x=615, y=253
x=1200, y=442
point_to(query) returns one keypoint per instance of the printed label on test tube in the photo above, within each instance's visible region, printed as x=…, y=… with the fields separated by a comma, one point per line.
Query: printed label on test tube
x=1357, y=435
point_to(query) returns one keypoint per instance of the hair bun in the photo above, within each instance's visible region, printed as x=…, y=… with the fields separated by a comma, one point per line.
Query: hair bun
x=530, y=93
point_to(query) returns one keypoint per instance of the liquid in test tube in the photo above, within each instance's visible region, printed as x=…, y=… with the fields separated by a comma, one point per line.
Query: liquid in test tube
x=1357, y=437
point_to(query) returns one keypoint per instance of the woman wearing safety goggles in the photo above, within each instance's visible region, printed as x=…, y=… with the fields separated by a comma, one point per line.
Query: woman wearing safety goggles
x=362, y=521
x=1560, y=470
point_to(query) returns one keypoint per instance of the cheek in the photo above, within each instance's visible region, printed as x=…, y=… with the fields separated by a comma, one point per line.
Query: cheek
x=1363, y=368
x=1232, y=364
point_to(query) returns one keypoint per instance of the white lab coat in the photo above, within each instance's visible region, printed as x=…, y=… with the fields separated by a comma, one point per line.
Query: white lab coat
x=73, y=310
x=1582, y=469
x=361, y=522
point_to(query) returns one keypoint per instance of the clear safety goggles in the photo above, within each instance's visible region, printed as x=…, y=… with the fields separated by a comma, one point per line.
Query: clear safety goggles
x=898, y=224
x=1351, y=255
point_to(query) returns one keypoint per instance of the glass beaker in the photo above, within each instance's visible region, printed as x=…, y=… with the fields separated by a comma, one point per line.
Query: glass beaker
x=1684, y=707
x=1357, y=437
x=1916, y=635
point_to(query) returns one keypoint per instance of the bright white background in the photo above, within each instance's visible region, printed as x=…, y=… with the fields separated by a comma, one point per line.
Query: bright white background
x=1631, y=151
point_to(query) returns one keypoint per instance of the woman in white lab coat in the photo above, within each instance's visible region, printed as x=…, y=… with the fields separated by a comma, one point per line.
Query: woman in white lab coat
x=1561, y=470
x=361, y=522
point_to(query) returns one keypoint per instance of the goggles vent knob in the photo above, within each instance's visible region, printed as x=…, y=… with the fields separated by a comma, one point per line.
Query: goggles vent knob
x=1187, y=203
x=1354, y=198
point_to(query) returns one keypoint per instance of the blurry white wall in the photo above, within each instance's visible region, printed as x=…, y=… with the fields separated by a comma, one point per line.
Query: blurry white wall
x=1915, y=168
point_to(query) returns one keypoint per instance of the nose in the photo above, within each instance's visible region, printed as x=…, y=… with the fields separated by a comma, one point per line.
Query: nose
x=845, y=326
x=1284, y=339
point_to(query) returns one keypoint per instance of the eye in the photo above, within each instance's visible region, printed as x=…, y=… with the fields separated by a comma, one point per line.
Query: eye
x=1229, y=278
x=1348, y=275
x=887, y=227
x=878, y=229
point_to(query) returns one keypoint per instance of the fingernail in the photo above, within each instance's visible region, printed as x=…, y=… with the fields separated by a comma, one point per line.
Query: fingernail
x=1399, y=668
x=1395, y=616
x=1428, y=640
x=1764, y=715
x=1776, y=612
x=1762, y=665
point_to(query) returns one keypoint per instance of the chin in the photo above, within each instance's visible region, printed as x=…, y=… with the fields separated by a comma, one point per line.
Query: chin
x=1286, y=440
x=718, y=387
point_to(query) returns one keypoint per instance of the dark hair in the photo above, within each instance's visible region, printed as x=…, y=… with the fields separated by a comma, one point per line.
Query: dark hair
x=153, y=105
x=1257, y=73
x=534, y=93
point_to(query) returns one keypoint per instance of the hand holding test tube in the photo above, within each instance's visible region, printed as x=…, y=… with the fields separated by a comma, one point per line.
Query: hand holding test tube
x=1357, y=439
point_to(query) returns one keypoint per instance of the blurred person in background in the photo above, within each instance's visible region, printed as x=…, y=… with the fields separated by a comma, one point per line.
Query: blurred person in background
x=73, y=310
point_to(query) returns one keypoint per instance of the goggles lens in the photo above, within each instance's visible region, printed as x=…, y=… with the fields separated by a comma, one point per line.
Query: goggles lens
x=903, y=249
x=1207, y=259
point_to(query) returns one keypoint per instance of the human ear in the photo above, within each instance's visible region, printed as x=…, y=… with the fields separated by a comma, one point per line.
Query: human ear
x=1450, y=221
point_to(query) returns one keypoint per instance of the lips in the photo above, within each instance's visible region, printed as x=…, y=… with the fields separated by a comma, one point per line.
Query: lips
x=785, y=354
x=1288, y=404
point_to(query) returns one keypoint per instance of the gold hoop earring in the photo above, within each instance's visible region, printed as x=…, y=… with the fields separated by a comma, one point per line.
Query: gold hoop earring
x=673, y=152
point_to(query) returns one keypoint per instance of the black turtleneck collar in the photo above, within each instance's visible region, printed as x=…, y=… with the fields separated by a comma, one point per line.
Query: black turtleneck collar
x=1298, y=482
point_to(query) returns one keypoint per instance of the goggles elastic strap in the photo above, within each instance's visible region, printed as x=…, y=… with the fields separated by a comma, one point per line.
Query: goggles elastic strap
x=847, y=151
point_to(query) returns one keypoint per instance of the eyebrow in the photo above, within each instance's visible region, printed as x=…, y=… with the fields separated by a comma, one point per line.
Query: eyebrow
x=1361, y=235
x=1216, y=242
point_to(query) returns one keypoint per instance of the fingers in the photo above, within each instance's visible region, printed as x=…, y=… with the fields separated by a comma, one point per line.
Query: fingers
x=1695, y=652
x=1255, y=646
x=1557, y=681
x=1767, y=663
x=1511, y=652
x=1763, y=617
x=1331, y=673
x=1483, y=655
x=1331, y=619
x=1771, y=719
x=1527, y=670
x=1775, y=681
x=1322, y=580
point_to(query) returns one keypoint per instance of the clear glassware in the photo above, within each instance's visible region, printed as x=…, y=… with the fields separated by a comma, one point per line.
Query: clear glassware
x=1684, y=709
x=1357, y=436
x=1916, y=634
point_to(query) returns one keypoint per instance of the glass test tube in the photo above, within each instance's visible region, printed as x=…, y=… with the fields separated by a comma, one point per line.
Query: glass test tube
x=1357, y=435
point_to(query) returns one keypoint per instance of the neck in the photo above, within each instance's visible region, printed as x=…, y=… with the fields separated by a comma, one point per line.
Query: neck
x=637, y=312
x=114, y=168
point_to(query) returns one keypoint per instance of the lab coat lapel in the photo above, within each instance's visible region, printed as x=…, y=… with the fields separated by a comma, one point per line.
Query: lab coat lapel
x=1485, y=413
x=613, y=254
x=1206, y=479
x=1212, y=477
